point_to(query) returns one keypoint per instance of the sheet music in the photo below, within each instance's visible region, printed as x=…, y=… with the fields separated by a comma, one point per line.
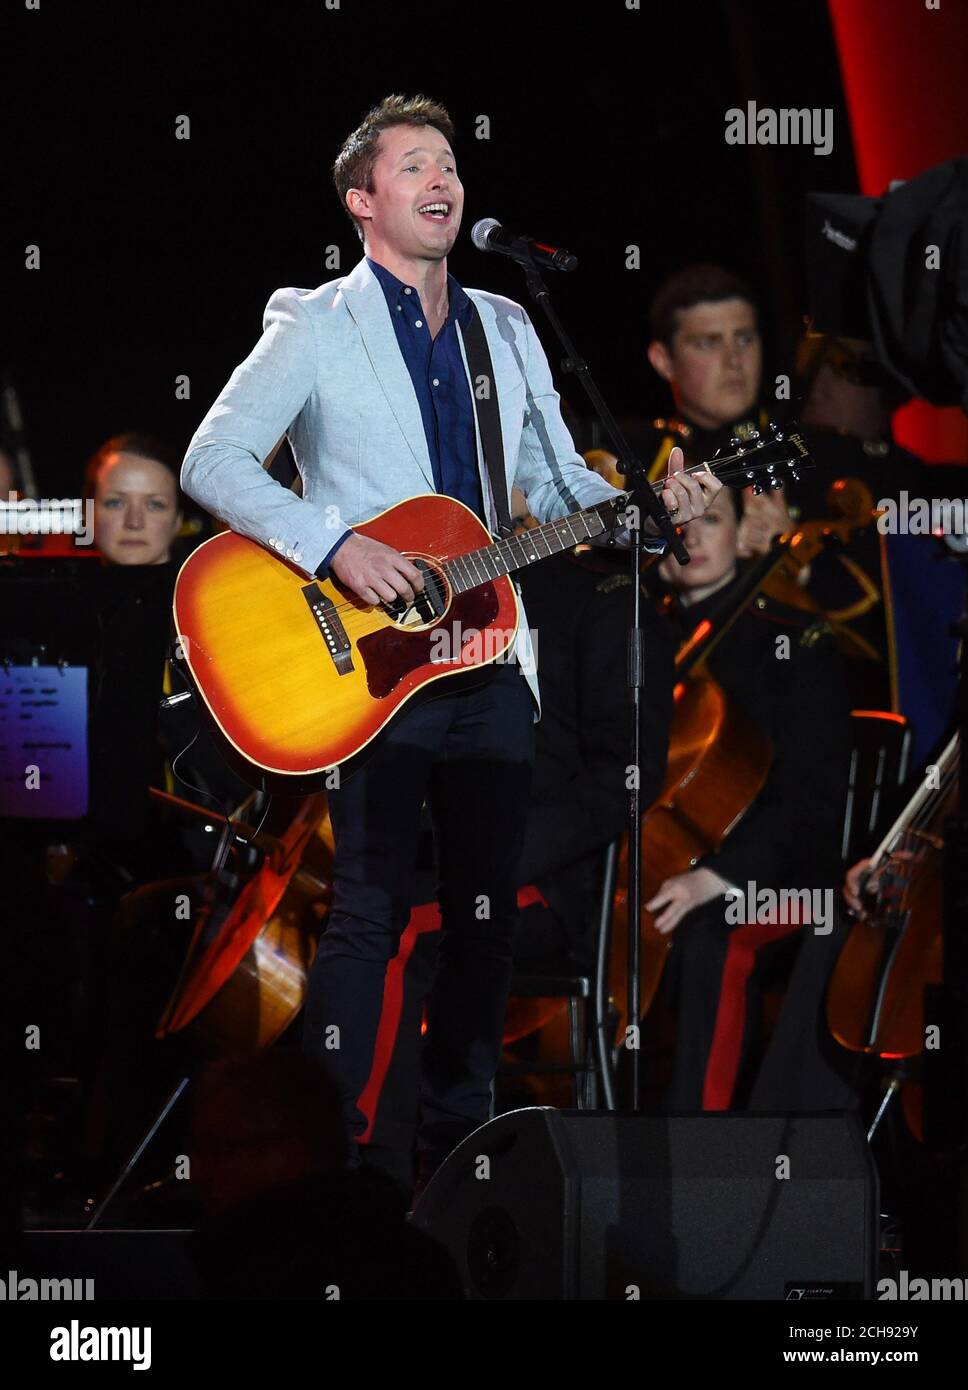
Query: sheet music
x=43, y=742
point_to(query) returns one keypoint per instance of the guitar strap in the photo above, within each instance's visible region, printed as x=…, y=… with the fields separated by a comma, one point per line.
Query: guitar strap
x=488, y=416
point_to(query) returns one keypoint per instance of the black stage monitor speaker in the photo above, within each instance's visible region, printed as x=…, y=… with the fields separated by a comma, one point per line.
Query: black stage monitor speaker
x=548, y=1204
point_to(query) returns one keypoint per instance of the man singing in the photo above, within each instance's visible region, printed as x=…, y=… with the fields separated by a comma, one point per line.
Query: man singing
x=367, y=375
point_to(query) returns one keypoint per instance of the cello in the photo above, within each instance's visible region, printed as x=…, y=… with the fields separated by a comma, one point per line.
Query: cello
x=875, y=1000
x=246, y=972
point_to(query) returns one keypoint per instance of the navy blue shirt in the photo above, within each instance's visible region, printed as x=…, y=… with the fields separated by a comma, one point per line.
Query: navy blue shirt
x=440, y=382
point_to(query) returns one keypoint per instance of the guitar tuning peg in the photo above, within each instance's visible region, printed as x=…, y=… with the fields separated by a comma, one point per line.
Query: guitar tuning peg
x=776, y=482
x=774, y=429
x=794, y=475
x=757, y=489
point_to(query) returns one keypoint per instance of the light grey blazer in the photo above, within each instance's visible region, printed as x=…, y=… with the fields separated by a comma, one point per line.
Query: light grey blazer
x=328, y=372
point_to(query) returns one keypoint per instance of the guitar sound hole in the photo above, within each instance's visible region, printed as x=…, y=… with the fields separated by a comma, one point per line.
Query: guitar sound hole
x=429, y=605
x=393, y=651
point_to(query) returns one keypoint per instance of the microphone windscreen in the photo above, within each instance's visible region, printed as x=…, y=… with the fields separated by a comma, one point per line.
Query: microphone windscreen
x=482, y=230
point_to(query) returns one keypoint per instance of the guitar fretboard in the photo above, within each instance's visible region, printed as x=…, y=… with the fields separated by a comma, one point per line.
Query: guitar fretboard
x=766, y=459
x=515, y=552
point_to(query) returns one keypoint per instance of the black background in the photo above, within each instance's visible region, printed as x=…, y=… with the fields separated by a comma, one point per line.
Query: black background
x=158, y=254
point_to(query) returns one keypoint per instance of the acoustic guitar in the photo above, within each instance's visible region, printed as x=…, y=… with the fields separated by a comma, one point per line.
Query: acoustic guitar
x=299, y=675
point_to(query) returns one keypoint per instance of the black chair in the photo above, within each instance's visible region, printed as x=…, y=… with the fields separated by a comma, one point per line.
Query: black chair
x=880, y=746
x=880, y=750
x=879, y=766
x=590, y=1062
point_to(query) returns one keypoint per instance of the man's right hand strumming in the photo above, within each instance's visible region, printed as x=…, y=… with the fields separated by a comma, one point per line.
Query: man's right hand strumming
x=375, y=572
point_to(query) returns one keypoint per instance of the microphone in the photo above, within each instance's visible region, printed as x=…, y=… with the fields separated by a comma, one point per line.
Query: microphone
x=489, y=235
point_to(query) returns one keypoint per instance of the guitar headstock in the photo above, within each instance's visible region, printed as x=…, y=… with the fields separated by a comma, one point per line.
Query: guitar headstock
x=765, y=458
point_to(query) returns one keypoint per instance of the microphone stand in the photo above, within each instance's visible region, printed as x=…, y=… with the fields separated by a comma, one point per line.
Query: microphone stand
x=643, y=496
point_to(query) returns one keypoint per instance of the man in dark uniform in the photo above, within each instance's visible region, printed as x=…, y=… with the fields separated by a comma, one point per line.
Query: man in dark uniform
x=705, y=344
x=783, y=670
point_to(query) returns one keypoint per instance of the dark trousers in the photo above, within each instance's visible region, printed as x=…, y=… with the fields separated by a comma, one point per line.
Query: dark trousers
x=692, y=983
x=470, y=754
x=804, y=1068
x=717, y=1008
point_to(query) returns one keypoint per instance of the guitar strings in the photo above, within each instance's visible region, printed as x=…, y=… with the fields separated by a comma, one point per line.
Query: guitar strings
x=542, y=531
x=931, y=806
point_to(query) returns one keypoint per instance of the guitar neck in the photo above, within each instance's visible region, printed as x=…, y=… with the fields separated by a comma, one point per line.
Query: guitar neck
x=516, y=552
x=747, y=465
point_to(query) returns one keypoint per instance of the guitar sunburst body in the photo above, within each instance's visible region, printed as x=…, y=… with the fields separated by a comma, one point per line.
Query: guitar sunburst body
x=299, y=674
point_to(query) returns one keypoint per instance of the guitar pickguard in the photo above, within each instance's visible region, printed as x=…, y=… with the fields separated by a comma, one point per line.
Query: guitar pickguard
x=392, y=653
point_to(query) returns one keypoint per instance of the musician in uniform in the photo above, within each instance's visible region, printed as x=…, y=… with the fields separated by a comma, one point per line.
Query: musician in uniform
x=781, y=668
x=367, y=375
x=705, y=345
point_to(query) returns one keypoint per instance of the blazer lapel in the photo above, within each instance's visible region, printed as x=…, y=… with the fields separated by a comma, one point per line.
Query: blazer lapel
x=367, y=303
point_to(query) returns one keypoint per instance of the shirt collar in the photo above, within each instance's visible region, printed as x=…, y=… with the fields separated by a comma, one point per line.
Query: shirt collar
x=460, y=308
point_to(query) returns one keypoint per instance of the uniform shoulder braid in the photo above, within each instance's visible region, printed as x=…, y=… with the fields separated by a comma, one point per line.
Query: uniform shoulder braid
x=698, y=444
